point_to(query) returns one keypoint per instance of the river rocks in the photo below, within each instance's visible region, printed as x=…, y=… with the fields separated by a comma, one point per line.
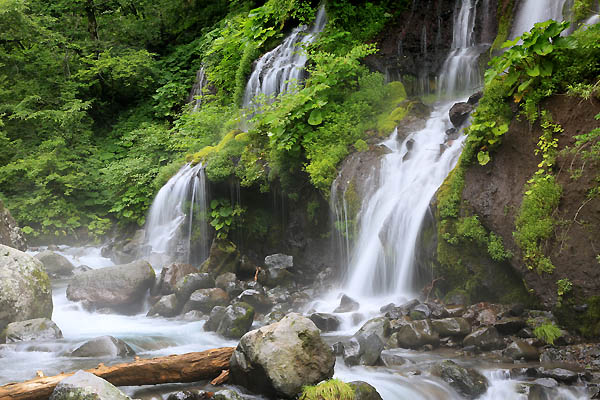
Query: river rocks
x=391, y=359
x=402, y=310
x=465, y=381
x=55, y=264
x=459, y=113
x=280, y=358
x=414, y=335
x=223, y=257
x=347, y=304
x=227, y=394
x=484, y=338
x=229, y=283
x=86, y=386
x=363, y=349
x=474, y=98
x=521, y=350
x=279, y=261
x=10, y=234
x=325, y=322
x=380, y=326
x=169, y=276
x=364, y=391
x=276, y=271
x=558, y=374
x=256, y=299
x=103, y=346
x=451, y=326
x=25, y=291
x=33, y=329
x=420, y=311
x=190, y=283
x=166, y=306
x=232, y=321
x=120, y=287
x=205, y=299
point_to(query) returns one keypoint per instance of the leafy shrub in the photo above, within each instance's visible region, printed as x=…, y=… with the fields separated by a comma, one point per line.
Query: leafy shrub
x=547, y=332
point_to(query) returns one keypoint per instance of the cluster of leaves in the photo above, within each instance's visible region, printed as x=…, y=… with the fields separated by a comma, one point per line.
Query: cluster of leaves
x=224, y=216
x=548, y=332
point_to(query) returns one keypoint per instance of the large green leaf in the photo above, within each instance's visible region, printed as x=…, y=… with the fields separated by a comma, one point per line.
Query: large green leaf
x=316, y=117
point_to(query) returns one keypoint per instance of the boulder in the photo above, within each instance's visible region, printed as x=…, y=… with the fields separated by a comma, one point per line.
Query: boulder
x=414, y=334
x=55, y=264
x=279, y=359
x=256, y=299
x=190, y=283
x=364, y=391
x=420, y=311
x=451, y=326
x=10, y=234
x=229, y=283
x=325, y=322
x=279, y=261
x=103, y=346
x=86, y=386
x=520, y=349
x=475, y=97
x=232, y=321
x=25, y=291
x=558, y=374
x=465, y=381
x=363, y=349
x=347, y=304
x=459, y=113
x=169, y=276
x=402, y=310
x=380, y=326
x=227, y=394
x=509, y=325
x=486, y=338
x=223, y=257
x=205, y=299
x=274, y=277
x=390, y=359
x=117, y=287
x=191, y=395
x=166, y=306
x=33, y=329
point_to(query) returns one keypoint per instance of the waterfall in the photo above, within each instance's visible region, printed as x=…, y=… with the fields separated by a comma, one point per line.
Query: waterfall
x=383, y=258
x=460, y=72
x=172, y=232
x=532, y=11
x=279, y=69
x=195, y=96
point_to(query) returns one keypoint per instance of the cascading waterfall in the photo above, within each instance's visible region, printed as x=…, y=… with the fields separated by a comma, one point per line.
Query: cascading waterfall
x=382, y=262
x=532, y=11
x=172, y=231
x=460, y=71
x=195, y=97
x=279, y=69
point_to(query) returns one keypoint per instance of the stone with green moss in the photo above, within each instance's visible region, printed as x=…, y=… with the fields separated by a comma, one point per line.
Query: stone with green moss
x=86, y=386
x=236, y=320
x=25, y=291
x=223, y=257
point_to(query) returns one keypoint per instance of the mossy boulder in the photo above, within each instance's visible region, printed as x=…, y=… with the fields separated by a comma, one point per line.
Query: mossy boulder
x=25, y=291
x=10, y=234
x=86, y=386
x=223, y=257
x=465, y=381
x=33, y=329
x=205, y=299
x=279, y=359
x=232, y=321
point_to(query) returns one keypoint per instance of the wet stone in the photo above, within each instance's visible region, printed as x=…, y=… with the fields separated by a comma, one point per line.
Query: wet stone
x=347, y=304
x=325, y=322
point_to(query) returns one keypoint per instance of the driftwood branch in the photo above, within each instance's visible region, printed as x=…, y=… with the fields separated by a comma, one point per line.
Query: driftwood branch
x=188, y=367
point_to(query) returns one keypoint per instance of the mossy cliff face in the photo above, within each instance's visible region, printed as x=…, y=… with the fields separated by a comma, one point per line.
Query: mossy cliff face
x=480, y=213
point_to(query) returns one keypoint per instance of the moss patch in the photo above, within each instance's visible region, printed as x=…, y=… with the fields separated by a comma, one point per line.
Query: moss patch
x=333, y=389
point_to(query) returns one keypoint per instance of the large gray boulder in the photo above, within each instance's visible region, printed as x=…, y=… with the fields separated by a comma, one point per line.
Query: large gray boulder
x=169, y=276
x=465, y=381
x=25, y=291
x=363, y=349
x=205, y=299
x=86, y=386
x=103, y=346
x=486, y=338
x=33, y=329
x=234, y=321
x=55, y=264
x=10, y=234
x=117, y=287
x=166, y=306
x=190, y=283
x=451, y=326
x=364, y=391
x=279, y=359
x=413, y=335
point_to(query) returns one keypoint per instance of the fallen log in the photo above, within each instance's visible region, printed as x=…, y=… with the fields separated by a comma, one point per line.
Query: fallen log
x=188, y=367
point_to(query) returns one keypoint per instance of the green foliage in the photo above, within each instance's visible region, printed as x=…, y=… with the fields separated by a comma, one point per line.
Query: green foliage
x=224, y=215
x=582, y=8
x=547, y=332
x=505, y=11
x=563, y=286
x=333, y=389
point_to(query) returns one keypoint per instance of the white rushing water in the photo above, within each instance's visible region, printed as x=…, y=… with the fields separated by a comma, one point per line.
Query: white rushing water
x=195, y=97
x=460, y=72
x=531, y=12
x=283, y=66
x=176, y=228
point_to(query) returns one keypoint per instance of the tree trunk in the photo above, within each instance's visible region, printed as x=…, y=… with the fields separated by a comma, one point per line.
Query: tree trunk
x=188, y=367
